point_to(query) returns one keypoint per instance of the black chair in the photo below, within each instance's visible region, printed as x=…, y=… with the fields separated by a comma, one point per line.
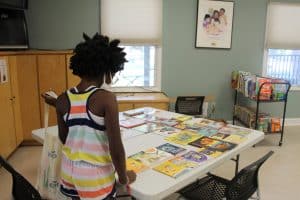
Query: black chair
x=189, y=105
x=213, y=187
x=22, y=189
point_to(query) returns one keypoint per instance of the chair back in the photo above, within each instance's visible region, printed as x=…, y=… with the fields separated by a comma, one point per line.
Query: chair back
x=245, y=183
x=189, y=105
x=22, y=189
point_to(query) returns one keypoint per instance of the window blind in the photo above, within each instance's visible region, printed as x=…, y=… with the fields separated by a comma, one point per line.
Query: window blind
x=283, y=28
x=132, y=21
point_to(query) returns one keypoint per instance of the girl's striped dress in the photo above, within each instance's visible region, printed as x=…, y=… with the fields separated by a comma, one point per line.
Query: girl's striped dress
x=87, y=169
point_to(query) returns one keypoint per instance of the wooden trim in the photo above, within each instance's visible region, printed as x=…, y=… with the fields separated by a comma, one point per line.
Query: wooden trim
x=35, y=52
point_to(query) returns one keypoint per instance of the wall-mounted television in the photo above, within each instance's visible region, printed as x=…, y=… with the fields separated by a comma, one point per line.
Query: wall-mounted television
x=13, y=29
x=14, y=4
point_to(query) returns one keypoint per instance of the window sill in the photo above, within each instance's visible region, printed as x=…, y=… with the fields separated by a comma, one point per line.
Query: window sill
x=295, y=88
x=135, y=89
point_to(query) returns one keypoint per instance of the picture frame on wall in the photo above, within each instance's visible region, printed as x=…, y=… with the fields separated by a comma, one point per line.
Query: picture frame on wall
x=214, y=24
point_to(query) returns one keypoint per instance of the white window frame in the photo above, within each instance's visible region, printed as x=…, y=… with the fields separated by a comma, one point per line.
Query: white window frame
x=265, y=53
x=157, y=75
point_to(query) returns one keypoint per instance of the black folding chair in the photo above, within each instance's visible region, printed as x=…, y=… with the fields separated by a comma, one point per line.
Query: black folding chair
x=189, y=105
x=22, y=189
x=213, y=187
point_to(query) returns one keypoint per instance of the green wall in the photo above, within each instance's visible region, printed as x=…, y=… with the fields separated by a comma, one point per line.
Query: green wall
x=58, y=24
x=186, y=70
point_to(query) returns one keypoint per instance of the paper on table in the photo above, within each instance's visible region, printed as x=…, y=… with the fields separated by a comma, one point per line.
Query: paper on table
x=3, y=71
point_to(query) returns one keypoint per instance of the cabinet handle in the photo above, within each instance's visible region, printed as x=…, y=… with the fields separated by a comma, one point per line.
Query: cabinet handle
x=12, y=98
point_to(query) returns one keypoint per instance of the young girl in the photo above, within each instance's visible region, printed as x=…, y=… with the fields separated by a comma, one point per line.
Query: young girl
x=88, y=124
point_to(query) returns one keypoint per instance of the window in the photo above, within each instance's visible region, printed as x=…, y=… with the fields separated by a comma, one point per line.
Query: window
x=141, y=68
x=283, y=42
x=284, y=64
x=138, y=24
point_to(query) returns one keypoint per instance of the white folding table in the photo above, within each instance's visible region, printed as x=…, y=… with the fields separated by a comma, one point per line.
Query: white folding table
x=152, y=185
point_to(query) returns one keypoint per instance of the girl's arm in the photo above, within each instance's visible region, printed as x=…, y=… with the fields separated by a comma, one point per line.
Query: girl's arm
x=61, y=109
x=111, y=117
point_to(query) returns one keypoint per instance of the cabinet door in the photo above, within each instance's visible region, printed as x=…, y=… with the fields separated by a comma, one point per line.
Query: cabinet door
x=25, y=88
x=125, y=106
x=72, y=80
x=7, y=134
x=51, y=76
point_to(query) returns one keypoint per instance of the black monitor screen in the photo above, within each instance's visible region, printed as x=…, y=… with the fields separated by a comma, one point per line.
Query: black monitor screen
x=21, y=4
x=13, y=31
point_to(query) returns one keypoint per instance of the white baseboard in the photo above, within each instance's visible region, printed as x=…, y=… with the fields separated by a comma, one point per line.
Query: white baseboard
x=288, y=122
x=292, y=121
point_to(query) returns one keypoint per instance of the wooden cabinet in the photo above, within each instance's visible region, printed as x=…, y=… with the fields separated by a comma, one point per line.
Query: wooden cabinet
x=128, y=101
x=25, y=87
x=72, y=80
x=32, y=73
x=8, y=141
x=51, y=76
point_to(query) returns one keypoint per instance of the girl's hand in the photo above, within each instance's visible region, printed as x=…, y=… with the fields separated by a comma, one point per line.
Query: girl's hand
x=49, y=99
x=131, y=176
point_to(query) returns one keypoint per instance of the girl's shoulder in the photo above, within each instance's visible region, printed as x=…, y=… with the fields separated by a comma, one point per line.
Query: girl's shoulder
x=104, y=95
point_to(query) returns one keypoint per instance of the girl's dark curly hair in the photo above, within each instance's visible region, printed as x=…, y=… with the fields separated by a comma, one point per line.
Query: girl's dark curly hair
x=96, y=57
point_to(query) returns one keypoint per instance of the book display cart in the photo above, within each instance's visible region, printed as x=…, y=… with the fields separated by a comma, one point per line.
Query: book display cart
x=259, y=90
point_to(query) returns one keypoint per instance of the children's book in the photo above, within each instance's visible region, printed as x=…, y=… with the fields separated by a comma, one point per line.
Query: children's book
x=216, y=125
x=183, y=118
x=148, y=127
x=237, y=139
x=183, y=137
x=195, y=156
x=181, y=126
x=167, y=130
x=204, y=142
x=145, y=117
x=219, y=136
x=170, y=148
x=211, y=153
x=134, y=112
x=228, y=130
x=195, y=124
x=223, y=146
x=167, y=122
x=175, y=167
x=207, y=131
x=135, y=165
x=131, y=122
x=151, y=156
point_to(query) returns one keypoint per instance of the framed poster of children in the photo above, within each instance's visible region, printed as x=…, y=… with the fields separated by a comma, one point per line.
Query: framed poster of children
x=214, y=24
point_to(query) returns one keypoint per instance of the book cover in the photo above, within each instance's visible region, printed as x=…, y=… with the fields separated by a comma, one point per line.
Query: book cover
x=195, y=124
x=219, y=136
x=223, y=146
x=204, y=142
x=148, y=127
x=183, y=118
x=135, y=165
x=207, y=131
x=167, y=130
x=216, y=125
x=181, y=126
x=134, y=112
x=131, y=122
x=183, y=137
x=151, y=156
x=175, y=167
x=170, y=148
x=211, y=153
x=237, y=139
x=231, y=129
x=195, y=156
